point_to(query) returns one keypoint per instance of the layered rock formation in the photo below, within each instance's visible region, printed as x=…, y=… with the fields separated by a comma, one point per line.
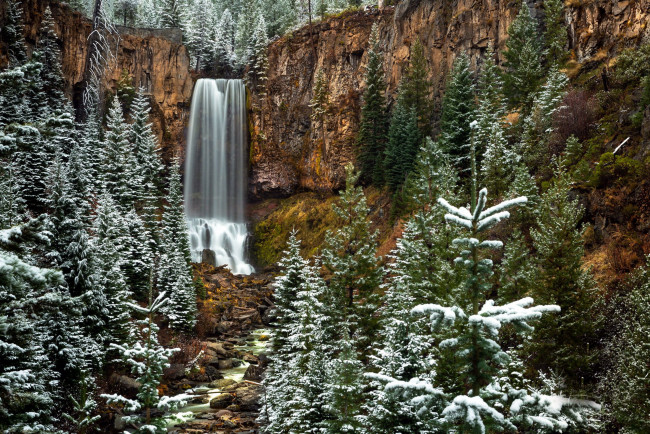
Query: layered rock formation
x=286, y=153
x=155, y=59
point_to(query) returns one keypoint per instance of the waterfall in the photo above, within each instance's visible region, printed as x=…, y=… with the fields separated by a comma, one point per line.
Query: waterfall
x=215, y=173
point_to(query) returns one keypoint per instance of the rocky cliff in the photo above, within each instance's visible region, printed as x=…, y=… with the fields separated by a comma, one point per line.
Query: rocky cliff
x=283, y=155
x=155, y=59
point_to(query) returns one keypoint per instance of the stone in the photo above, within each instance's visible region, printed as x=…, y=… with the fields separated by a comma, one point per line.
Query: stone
x=225, y=364
x=250, y=358
x=222, y=413
x=221, y=384
x=253, y=373
x=222, y=401
x=209, y=257
x=176, y=371
x=125, y=384
x=248, y=398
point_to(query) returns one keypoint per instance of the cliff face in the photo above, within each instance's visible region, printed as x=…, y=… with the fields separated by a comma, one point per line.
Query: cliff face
x=287, y=158
x=154, y=58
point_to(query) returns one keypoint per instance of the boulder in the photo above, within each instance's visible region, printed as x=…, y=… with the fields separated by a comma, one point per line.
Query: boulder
x=250, y=358
x=248, y=398
x=222, y=413
x=209, y=257
x=254, y=373
x=222, y=401
x=125, y=384
x=222, y=384
x=225, y=364
x=176, y=371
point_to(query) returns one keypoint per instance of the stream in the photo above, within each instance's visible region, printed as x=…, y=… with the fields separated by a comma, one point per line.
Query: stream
x=198, y=407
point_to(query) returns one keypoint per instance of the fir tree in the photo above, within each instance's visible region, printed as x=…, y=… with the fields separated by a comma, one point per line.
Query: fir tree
x=516, y=272
x=51, y=74
x=199, y=30
x=537, y=126
x=403, y=145
x=260, y=61
x=171, y=13
x=147, y=359
x=122, y=178
x=320, y=105
x=174, y=271
x=496, y=168
x=625, y=385
x=458, y=112
x=12, y=33
x=24, y=402
x=415, y=88
x=350, y=256
x=246, y=21
x=523, y=54
x=562, y=343
x=373, y=130
x=555, y=35
x=224, y=43
x=280, y=16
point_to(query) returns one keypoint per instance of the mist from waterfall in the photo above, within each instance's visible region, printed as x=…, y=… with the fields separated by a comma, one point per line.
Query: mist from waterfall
x=215, y=173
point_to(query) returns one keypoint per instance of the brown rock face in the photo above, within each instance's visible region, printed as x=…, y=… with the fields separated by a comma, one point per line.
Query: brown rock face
x=154, y=58
x=289, y=155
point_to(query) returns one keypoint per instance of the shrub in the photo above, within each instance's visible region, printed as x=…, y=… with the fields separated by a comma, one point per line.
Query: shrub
x=633, y=63
x=616, y=169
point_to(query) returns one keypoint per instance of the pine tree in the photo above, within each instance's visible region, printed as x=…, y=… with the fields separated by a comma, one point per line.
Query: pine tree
x=516, y=272
x=345, y=387
x=555, y=36
x=523, y=54
x=280, y=16
x=51, y=74
x=625, y=385
x=562, y=344
x=149, y=14
x=224, y=43
x=491, y=108
x=147, y=359
x=106, y=311
x=260, y=60
x=524, y=184
x=246, y=21
x=320, y=105
x=171, y=13
x=121, y=175
x=174, y=271
x=537, y=126
x=93, y=152
x=496, y=168
x=12, y=33
x=25, y=403
x=458, y=112
x=403, y=144
x=199, y=30
x=31, y=161
x=13, y=107
x=373, y=130
x=415, y=88
x=350, y=256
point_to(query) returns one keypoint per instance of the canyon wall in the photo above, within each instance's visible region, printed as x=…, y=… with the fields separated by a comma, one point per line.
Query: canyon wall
x=154, y=58
x=286, y=153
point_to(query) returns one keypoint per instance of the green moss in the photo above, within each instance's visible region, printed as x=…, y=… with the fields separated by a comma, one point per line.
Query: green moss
x=616, y=170
x=310, y=214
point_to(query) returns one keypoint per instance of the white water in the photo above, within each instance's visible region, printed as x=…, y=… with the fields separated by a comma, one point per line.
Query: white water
x=215, y=173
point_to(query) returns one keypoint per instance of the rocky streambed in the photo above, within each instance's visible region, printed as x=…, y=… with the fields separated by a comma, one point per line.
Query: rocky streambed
x=223, y=383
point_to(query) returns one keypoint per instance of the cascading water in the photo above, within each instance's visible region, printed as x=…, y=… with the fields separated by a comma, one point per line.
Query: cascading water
x=215, y=173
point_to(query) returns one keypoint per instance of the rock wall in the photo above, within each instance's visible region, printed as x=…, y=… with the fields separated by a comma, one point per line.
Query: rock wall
x=155, y=59
x=284, y=155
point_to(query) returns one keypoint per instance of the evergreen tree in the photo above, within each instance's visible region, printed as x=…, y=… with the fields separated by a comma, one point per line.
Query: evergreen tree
x=458, y=112
x=260, y=60
x=403, y=145
x=373, y=130
x=13, y=107
x=147, y=359
x=562, y=344
x=345, y=388
x=280, y=16
x=199, y=30
x=498, y=160
x=12, y=33
x=524, y=184
x=516, y=272
x=350, y=256
x=523, y=54
x=625, y=385
x=555, y=36
x=25, y=403
x=122, y=177
x=415, y=88
x=246, y=21
x=537, y=126
x=91, y=152
x=105, y=311
x=171, y=13
x=320, y=105
x=31, y=161
x=174, y=271
x=224, y=43
x=51, y=74
x=491, y=108
x=149, y=14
